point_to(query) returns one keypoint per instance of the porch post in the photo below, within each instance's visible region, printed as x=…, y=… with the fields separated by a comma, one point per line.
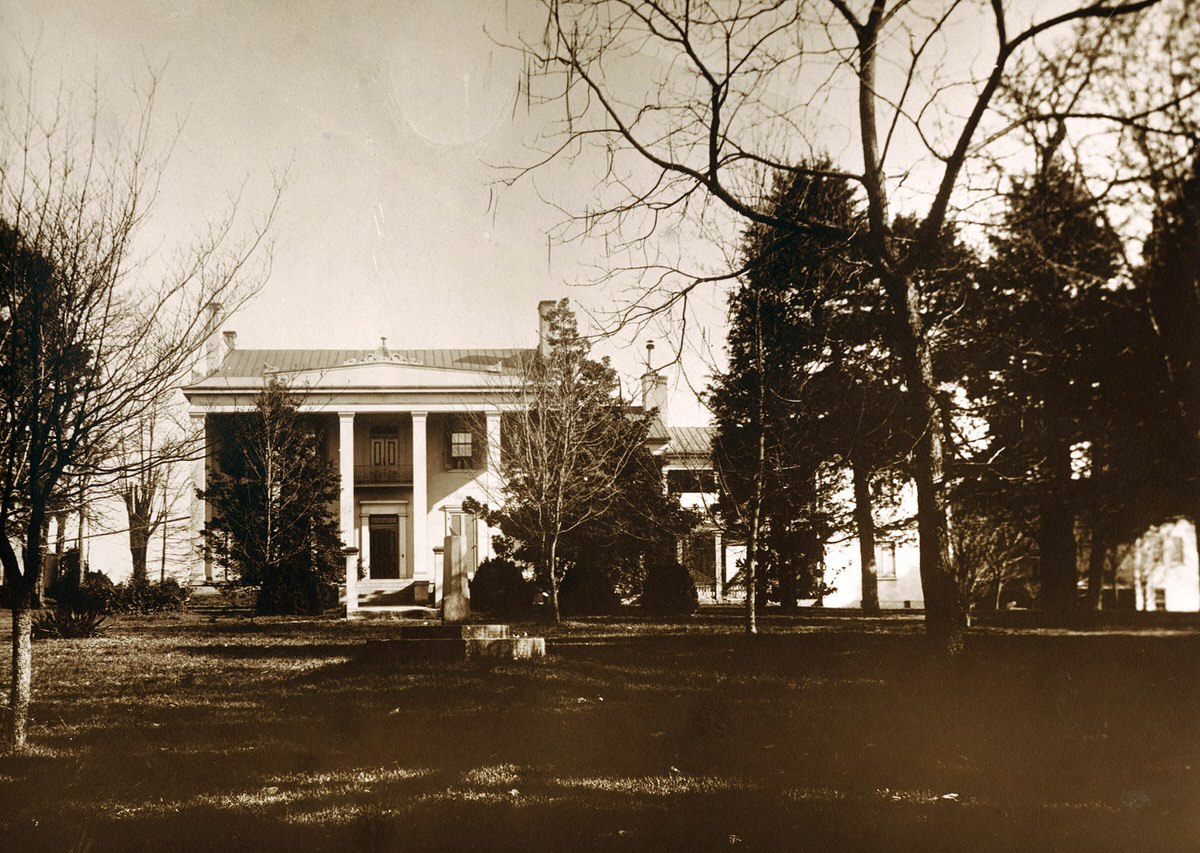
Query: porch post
x=346, y=506
x=719, y=565
x=199, y=514
x=422, y=570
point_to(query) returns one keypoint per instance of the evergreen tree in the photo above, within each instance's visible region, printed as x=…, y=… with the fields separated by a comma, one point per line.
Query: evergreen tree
x=1039, y=311
x=798, y=399
x=273, y=522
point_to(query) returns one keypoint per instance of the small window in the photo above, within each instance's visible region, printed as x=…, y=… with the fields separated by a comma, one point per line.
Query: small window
x=1175, y=550
x=885, y=561
x=1160, y=599
x=460, y=450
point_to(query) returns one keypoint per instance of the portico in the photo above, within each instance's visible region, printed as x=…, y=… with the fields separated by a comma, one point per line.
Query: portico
x=414, y=434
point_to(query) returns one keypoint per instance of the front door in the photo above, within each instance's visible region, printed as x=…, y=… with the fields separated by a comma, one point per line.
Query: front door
x=385, y=546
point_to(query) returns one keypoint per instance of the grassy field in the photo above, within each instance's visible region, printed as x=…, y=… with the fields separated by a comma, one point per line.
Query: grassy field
x=825, y=734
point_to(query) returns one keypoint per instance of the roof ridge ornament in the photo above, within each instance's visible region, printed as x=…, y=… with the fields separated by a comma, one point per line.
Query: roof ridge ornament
x=382, y=354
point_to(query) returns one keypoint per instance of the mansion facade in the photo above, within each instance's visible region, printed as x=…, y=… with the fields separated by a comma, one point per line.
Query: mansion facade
x=414, y=432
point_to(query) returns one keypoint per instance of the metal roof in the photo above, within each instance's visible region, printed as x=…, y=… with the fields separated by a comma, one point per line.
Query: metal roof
x=689, y=441
x=255, y=362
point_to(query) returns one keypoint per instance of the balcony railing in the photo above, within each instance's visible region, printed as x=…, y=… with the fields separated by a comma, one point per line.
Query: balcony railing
x=383, y=473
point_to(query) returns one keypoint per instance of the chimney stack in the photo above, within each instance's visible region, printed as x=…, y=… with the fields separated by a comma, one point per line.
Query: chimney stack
x=654, y=395
x=230, y=342
x=212, y=350
x=544, y=309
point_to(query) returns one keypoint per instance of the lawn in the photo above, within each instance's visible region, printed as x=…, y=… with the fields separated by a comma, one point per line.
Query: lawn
x=823, y=734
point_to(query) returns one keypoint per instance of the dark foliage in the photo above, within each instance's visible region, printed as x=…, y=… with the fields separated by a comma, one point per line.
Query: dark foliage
x=668, y=589
x=273, y=525
x=499, y=588
x=68, y=623
x=588, y=590
x=1044, y=358
x=97, y=592
x=802, y=373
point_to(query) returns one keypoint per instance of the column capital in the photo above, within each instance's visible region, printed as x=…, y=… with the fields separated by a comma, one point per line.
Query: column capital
x=419, y=416
x=345, y=416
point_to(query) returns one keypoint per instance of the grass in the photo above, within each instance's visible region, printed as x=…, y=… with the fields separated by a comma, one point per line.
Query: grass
x=822, y=734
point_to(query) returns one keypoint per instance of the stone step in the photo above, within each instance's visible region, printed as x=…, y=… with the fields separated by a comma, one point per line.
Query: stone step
x=382, y=652
x=408, y=613
x=454, y=632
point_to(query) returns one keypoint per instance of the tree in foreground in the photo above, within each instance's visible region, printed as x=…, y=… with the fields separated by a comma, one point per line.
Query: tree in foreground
x=773, y=404
x=743, y=92
x=273, y=522
x=570, y=444
x=87, y=344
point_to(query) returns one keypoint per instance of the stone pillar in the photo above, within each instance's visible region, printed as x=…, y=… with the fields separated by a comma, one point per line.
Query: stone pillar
x=197, y=560
x=346, y=506
x=422, y=570
x=456, y=601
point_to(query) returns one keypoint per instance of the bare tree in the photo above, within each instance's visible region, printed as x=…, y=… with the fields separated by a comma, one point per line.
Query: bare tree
x=568, y=441
x=144, y=461
x=89, y=341
x=696, y=103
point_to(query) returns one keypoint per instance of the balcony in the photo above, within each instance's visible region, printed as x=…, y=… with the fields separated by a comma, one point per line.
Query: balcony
x=379, y=475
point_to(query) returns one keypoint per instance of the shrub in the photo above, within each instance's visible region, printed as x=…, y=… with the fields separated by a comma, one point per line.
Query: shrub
x=669, y=589
x=587, y=591
x=142, y=598
x=297, y=587
x=96, y=592
x=66, y=623
x=499, y=588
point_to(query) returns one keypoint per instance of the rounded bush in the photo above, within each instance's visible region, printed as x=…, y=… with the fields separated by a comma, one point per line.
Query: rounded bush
x=669, y=589
x=587, y=591
x=499, y=588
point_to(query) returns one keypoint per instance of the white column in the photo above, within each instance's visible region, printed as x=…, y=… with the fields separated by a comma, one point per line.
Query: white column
x=494, y=478
x=718, y=566
x=199, y=514
x=422, y=556
x=346, y=506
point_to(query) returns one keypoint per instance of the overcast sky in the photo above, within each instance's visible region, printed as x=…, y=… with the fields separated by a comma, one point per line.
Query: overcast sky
x=389, y=118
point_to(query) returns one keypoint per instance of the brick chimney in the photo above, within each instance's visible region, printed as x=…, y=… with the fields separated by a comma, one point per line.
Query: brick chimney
x=230, y=342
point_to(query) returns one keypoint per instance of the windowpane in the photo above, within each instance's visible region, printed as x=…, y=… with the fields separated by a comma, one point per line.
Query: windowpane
x=885, y=561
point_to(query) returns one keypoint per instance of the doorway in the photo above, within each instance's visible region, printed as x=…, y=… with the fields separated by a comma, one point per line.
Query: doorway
x=386, y=551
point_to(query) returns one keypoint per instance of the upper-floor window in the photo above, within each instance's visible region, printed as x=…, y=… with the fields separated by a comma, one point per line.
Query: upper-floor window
x=462, y=452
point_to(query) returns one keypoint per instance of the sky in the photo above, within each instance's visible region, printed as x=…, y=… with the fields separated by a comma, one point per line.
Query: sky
x=392, y=122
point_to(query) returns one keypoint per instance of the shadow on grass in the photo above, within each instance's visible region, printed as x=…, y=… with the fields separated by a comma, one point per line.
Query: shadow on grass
x=259, y=651
x=272, y=739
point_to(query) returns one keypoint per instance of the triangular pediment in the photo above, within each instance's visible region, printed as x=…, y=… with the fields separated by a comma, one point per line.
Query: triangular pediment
x=394, y=374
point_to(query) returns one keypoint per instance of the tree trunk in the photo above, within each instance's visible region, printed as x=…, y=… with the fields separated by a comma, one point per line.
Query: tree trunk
x=945, y=613
x=750, y=570
x=138, y=545
x=22, y=670
x=787, y=583
x=555, y=616
x=864, y=521
x=1056, y=536
x=1097, y=553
